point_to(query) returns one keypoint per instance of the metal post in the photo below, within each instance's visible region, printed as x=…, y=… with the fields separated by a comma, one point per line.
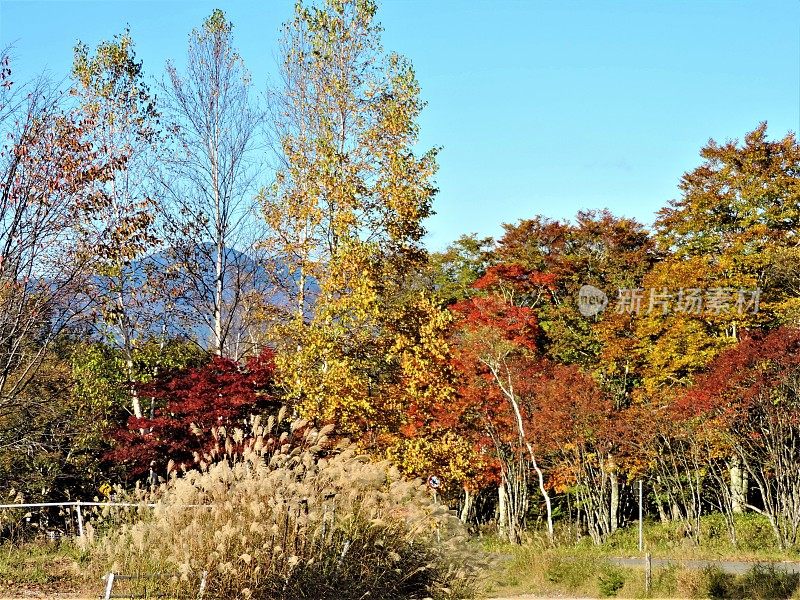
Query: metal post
x=641, y=511
x=202, y=585
x=436, y=501
x=80, y=519
x=109, y=585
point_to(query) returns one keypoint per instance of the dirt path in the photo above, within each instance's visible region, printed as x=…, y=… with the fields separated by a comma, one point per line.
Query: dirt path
x=530, y=597
x=48, y=596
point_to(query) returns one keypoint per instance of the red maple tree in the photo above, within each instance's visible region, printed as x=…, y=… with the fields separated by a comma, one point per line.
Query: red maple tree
x=193, y=402
x=750, y=399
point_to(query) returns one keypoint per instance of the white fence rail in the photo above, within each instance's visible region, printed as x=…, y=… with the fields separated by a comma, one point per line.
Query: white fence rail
x=78, y=505
x=113, y=578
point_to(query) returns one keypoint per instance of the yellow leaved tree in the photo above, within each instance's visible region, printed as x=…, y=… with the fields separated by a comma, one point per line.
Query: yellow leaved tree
x=359, y=338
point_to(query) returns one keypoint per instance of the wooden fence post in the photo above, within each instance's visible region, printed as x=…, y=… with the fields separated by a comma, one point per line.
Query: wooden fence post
x=641, y=514
x=648, y=573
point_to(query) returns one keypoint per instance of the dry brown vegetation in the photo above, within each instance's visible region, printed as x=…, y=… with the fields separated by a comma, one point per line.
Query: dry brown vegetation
x=284, y=515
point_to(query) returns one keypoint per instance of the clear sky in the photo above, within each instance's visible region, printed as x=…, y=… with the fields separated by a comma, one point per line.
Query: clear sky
x=540, y=107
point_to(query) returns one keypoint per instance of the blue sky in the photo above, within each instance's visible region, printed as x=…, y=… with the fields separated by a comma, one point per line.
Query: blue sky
x=540, y=107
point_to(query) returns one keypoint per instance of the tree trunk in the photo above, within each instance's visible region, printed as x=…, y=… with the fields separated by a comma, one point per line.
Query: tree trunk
x=502, y=511
x=545, y=495
x=136, y=404
x=662, y=514
x=614, y=508
x=466, y=508
x=509, y=392
x=737, y=486
x=218, y=295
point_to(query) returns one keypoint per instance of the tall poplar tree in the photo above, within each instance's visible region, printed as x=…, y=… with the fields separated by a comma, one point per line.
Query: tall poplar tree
x=346, y=214
x=210, y=180
x=118, y=115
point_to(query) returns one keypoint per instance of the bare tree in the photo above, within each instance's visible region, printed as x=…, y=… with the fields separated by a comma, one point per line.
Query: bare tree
x=212, y=222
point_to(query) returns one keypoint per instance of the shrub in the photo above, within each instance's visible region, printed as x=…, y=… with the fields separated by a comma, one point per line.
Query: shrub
x=571, y=572
x=665, y=582
x=689, y=583
x=762, y=582
x=282, y=517
x=192, y=403
x=754, y=532
x=717, y=583
x=765, y=581
x=610, y=582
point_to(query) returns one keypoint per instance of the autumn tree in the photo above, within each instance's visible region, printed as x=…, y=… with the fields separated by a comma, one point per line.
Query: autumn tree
x=730, y=237
x=751, y=394
x=598, y=249
x=497, y=356
x=432, y=432
x=48, y=173
x=117, y=114
x=50, y=440
x=193, y=404
x=726, y=245
x=100, y=377
x=575, y=431
x=452, y=272
x=210, y=182
x=345, y=214
x=611, y=254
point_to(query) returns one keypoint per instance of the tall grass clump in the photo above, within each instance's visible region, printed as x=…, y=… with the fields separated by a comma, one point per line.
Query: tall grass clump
x=286, y=515
x=760, y=582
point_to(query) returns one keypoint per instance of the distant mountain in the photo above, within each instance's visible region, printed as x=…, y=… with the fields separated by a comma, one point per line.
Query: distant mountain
x=182, y=288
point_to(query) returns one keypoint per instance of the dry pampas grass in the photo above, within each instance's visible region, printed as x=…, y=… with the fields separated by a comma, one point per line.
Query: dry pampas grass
x=278, y=513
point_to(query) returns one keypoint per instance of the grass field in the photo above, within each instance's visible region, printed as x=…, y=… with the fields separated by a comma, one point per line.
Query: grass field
x=572, y=569
x=44, y=567
x=580, y=569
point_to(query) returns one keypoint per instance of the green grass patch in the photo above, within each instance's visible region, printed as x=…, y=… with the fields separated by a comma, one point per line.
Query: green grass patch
x=535, y=569
x=42, y=565
x=579, y=568
x=755, y=539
